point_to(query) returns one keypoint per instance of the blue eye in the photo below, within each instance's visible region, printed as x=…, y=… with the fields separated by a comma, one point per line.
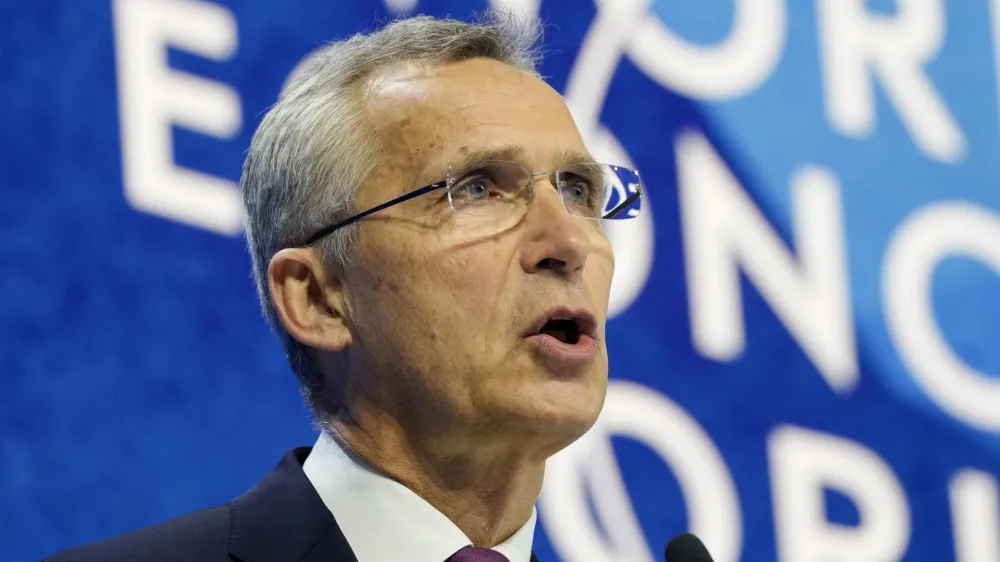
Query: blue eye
x=489, y=185
x=476, y=188
x=577, y=192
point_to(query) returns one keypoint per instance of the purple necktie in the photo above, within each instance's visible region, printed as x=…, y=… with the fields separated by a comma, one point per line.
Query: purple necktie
x=473, y=554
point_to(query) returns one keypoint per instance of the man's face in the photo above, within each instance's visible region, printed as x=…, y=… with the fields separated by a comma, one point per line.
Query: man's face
x=444, y=316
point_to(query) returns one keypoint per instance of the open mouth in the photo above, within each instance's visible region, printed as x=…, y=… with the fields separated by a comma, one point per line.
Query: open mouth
x=565, y=338
x=570, y=327
x=566, y=330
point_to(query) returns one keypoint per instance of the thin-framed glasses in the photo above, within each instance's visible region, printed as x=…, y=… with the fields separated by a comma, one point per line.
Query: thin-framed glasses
x=493, y=195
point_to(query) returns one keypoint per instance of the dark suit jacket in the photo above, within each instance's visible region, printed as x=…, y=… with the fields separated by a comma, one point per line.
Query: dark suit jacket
x=282, y=519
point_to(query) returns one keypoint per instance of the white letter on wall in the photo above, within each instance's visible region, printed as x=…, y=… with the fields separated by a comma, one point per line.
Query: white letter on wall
x=524, y=8
x=855, y=43
x=803, y=464
x=725, y=232
x=975, y=516
x=153, y=98
x=586, y=89
x=734, y=67
x=641, y=413
x=919, y=244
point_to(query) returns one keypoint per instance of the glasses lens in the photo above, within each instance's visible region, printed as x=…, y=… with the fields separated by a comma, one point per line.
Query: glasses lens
x=490, y=194
x=600, y=191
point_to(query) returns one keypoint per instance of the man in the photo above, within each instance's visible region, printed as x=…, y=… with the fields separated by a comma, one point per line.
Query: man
x=448, y=338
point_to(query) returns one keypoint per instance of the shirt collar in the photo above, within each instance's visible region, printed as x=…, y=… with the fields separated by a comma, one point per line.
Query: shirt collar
x=384, y=520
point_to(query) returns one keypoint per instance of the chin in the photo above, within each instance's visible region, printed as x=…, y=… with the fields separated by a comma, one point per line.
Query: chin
x=559, y=411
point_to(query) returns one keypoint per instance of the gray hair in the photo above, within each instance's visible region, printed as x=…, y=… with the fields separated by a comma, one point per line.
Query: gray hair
x=313, y=149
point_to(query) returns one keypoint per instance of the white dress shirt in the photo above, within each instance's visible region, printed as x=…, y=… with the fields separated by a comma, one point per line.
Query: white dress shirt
x=383, y=520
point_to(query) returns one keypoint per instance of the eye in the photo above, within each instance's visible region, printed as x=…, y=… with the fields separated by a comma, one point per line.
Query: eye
x=578, y=190
x=474, y=189
x=489, y=184
x=477, y=186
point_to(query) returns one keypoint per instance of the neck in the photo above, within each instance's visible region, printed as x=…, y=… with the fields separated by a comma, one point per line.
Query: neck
x=485, y=485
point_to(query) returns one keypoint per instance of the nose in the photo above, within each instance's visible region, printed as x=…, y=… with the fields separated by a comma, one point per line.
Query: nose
x=554, y=240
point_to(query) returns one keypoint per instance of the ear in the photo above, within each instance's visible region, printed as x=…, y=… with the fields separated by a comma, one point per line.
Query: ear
x=309, y=299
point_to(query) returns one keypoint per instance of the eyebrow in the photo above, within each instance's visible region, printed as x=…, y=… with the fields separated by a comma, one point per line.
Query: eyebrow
x=517, y=153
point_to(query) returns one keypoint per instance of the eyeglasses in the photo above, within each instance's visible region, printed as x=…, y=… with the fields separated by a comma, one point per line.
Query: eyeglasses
x=491, y=196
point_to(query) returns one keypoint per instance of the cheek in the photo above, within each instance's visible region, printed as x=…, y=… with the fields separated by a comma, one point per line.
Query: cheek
x=479, y=266
x=600, y=284
x=387, y=289
x=474, y=279
x=600, y=271
x=446, y=291
x=476, y=307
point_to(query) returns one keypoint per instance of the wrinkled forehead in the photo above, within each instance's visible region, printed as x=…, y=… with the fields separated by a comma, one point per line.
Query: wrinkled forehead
x=432, y=117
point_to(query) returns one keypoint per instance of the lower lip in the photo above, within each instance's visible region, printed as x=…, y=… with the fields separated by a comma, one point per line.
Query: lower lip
x=580, y=353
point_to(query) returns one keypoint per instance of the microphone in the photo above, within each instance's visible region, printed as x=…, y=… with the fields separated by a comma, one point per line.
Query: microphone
x=686, y=548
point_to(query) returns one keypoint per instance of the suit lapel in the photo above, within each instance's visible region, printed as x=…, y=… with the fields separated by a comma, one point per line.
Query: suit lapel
x=283, y=518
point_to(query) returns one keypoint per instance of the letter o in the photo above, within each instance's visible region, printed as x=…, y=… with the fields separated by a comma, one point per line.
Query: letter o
x=635, y=411
x=923, y=240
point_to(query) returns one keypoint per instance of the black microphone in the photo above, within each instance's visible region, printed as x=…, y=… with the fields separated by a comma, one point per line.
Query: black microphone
x=686, y=548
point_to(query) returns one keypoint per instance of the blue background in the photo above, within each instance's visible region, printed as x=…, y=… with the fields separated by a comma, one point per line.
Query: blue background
x=139, y=381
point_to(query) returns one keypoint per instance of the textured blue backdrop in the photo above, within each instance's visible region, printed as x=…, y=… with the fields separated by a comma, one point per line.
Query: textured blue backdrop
x=832, y=164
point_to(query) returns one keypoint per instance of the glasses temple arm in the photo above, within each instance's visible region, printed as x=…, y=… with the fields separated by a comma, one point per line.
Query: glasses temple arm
x=401, y=199
x=621, y=207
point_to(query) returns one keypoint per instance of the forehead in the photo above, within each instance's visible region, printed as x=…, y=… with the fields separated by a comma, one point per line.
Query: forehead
x=433, y=116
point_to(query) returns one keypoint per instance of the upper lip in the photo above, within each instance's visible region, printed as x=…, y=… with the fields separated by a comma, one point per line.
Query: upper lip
x=585, y=320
